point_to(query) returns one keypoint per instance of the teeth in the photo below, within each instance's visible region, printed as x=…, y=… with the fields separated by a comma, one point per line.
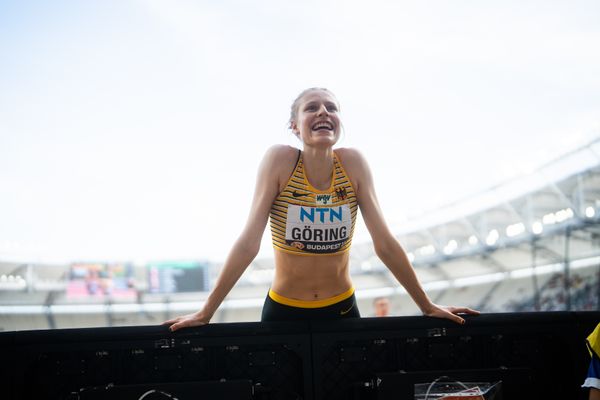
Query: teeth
x=324, y=125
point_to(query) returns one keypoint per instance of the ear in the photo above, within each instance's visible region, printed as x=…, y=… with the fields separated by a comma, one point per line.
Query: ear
x=294, y=128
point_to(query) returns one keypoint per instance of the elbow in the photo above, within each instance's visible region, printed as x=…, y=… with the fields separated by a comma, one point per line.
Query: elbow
x=388, y=250
x=249, y=248
x=383, y=251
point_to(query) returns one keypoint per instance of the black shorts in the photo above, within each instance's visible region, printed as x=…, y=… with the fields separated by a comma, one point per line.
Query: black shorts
x=274, y=311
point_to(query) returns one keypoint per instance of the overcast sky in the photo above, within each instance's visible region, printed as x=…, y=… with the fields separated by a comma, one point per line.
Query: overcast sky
x=132, y=130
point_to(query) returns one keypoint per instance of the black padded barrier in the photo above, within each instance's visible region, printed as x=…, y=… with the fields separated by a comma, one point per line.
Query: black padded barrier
x=217, y=361
x=535, y=355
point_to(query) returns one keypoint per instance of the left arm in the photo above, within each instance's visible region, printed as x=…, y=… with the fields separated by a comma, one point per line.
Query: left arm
x=387, y=248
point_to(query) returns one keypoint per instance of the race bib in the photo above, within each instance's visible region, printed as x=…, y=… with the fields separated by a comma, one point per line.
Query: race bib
x=318, y=229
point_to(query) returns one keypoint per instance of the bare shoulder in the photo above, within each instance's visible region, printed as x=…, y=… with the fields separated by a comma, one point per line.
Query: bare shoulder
x=350, y=154
x=281, y=151
x=278, y=164
x=352, y=159
x=279, y=157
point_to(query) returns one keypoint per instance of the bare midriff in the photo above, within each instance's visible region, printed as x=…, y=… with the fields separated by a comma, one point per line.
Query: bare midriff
x=311, y=277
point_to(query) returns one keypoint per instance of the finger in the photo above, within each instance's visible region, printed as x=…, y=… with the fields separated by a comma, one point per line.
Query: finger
x=449, y=313
x=457, y=319
x=178, y=326
x=174, y=320
x=464, y=310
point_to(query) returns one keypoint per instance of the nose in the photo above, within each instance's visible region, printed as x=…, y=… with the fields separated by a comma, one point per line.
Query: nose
x=323, y=110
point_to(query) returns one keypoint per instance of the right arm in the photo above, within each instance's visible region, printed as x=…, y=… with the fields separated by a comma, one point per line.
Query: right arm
x=247, y=245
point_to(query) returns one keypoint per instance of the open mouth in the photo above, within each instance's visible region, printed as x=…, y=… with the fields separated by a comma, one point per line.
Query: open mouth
x=323, y=125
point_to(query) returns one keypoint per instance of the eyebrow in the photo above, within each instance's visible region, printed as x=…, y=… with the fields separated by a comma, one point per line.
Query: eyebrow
x=327, y=103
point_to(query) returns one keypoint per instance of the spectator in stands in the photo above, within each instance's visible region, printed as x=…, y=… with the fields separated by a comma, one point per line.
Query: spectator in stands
x=381, y=305
x=312, y=197
x=92, y=281
x=593, y=377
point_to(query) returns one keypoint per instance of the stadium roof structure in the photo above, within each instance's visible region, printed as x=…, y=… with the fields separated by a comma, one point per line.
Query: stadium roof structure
x=548, y=217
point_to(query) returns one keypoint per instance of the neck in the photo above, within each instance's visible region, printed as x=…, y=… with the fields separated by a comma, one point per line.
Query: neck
x=318, y=166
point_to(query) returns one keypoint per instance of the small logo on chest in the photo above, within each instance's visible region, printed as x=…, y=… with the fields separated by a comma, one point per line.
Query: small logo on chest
x=323, y=199
x=341, y=193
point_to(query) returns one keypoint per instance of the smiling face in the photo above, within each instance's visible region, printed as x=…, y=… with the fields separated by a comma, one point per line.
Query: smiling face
x=316, y=121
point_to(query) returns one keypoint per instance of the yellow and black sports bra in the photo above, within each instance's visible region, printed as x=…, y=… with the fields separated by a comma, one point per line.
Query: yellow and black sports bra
x=308, y=221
